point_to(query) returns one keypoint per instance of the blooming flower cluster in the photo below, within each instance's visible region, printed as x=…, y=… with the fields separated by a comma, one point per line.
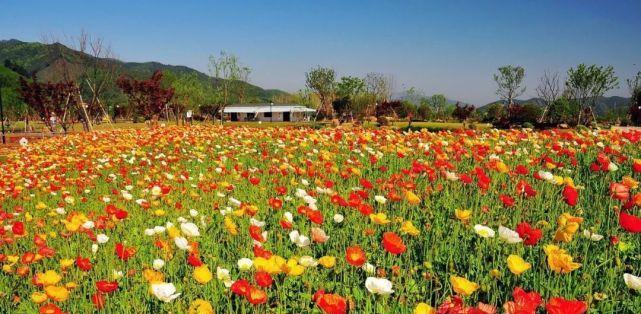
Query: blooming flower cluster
x=205, y=219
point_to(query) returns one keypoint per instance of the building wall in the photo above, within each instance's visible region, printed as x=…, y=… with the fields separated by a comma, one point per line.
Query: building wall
x=276, y=117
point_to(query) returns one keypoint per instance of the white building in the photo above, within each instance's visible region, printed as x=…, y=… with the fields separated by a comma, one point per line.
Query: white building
x=268, y=112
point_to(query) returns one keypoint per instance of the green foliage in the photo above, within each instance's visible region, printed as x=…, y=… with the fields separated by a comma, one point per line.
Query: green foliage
x=494, y=113
x=424, y=111
x=13, y=106
x=563, y=110
x=349, y=86
x=322, y=82
x=585, y=84
x=509, y=80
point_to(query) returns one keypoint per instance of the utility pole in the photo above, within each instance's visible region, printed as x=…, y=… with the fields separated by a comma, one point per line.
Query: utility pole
x=271, y=113
x=4, y=140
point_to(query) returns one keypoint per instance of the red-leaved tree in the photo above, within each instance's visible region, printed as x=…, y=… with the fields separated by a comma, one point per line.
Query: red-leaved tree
x=148, y=97
x=50, y=100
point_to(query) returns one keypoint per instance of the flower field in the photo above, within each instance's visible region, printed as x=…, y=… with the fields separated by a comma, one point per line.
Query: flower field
x=295, y=220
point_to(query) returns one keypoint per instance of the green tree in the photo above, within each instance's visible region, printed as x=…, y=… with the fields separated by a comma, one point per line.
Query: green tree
x=349, y=86
x=14, y=107
x=509, y=81
x=229, y=76
x=322, y=82
x=495, y=112
x=586, y=84
x=424, y=112
x=563, y=110
x=439, y=106
x=635, y=99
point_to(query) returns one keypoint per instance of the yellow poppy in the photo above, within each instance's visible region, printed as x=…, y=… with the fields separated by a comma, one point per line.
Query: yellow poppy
x=517, y=265
x=379, y=218
x=408, y=228
x=202, y=274
x=463, y=286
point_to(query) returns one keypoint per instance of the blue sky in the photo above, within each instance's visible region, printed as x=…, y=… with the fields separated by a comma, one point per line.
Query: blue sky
x=449, y=47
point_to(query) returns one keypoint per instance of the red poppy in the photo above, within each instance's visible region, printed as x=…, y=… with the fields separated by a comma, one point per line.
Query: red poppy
x=570, y=195
x=83, y=263
x=393, y=243
x=563, y=306
x=107, y=286
x=256, y=296
x=366, y=184
x=506, y=200
x=98, y=300
x=315, y=216
x=194, y=260
x=263, y=279
x=355, y=256
x=260, y=252
x=332, y=303
x=524, y=302
x=365, y=209
x=529, y=235
x=619, y=191
x=285, y=224
x=275, y=203
x=50, y=308
x=629, y=222
x=18, y=228
x=46, y=251
x=240, y=287
x=121, y=214
x=256, y=233
x=123, y=252
x=27, y=258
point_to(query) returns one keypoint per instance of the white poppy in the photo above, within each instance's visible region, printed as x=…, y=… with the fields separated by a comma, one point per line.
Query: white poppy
x=223, y=275
x=508, y=235
x=299, y=239
x=369, y=268
x=117, y=274
x=451, y=176
x=193, y=213
x=484, y=231
x=592, y=236
x=308, y=261
x=181, y=243
x=633, y=282
x=102, y=238
x=380, y=199
x=189, y=229
x=256, y=222
x=245, y=264
x=289, y=217
x=158, y=264
x=380, y=286
x=156, y=190
x=612, y=167
x=338, y=218
x=88, y=224
x=164, y=291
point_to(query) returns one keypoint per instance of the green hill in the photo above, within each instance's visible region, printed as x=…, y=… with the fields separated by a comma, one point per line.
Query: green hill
x=47, y=60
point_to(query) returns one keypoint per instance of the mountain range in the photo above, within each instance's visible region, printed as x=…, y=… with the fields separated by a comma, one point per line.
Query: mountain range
x=44, y=60
x=603, y=105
